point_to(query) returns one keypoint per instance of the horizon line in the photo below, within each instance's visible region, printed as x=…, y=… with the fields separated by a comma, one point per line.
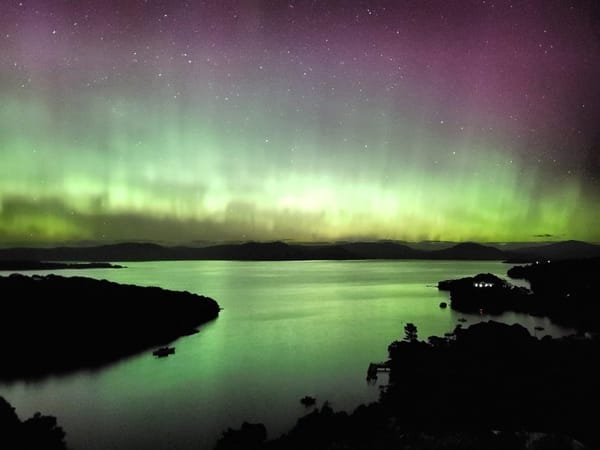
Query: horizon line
x=201, y=243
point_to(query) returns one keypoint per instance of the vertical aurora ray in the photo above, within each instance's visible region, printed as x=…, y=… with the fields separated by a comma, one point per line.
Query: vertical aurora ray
x=222, y=121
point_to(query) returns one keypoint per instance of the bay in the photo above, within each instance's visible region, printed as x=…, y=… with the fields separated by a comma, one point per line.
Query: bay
x=287, y=329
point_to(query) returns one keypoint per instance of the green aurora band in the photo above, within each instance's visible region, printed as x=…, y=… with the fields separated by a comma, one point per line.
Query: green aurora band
x=178, y=123
x=134, y=171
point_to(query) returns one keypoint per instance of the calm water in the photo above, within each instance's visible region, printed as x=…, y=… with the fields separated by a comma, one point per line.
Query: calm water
x=288, y=329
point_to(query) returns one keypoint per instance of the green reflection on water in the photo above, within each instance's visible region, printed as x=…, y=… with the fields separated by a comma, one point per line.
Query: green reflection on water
x=287, y=329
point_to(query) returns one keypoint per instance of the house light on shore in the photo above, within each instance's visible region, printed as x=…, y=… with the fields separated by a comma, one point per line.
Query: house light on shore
x=483, y=284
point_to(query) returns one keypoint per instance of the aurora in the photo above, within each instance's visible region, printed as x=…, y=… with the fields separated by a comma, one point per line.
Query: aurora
x=214, y=121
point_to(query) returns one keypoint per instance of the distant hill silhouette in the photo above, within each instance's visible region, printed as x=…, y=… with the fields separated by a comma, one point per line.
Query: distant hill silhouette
x=383, y=250
x=561, y=250
x=41, y=265
x=281, y=251
x=250, y=251
x=113, y=252
x=469, y=250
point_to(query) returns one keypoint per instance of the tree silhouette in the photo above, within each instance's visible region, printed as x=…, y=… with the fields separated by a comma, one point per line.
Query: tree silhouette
x=36, y=432
x=410, y=332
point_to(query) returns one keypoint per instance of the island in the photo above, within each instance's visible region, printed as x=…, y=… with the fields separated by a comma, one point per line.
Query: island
x=565, y=291
x=488, y=294
x=57, y=324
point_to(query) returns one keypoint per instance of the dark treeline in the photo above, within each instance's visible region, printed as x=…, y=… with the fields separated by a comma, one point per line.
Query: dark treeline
x=495, y=376
x=451, y=392
x=37, y=432
x=54, y=324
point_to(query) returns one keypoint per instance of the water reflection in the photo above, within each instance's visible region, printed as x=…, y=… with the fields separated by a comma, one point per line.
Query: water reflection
x=288, y=329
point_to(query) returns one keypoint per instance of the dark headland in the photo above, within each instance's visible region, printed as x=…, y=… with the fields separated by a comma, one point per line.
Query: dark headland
x=54, y=324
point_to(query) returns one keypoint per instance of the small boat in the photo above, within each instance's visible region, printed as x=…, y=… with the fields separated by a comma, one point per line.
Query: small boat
x=163, y=351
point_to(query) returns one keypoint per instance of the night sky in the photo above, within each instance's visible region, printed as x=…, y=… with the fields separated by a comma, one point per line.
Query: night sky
x=180, y=121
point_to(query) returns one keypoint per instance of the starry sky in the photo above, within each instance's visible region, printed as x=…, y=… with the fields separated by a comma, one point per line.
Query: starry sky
x=191, y=121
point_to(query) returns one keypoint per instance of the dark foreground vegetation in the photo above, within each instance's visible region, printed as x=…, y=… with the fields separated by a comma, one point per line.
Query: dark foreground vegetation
x=490, y=386
x=37, y=432
x=564, y=291
x=53, y=324
x=451, y=392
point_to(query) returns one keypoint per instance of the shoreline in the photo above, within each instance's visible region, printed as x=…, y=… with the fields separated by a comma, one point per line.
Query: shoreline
x=110, y=321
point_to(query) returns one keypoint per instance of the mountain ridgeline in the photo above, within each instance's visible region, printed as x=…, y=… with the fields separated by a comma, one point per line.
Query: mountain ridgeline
x=280, y=251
